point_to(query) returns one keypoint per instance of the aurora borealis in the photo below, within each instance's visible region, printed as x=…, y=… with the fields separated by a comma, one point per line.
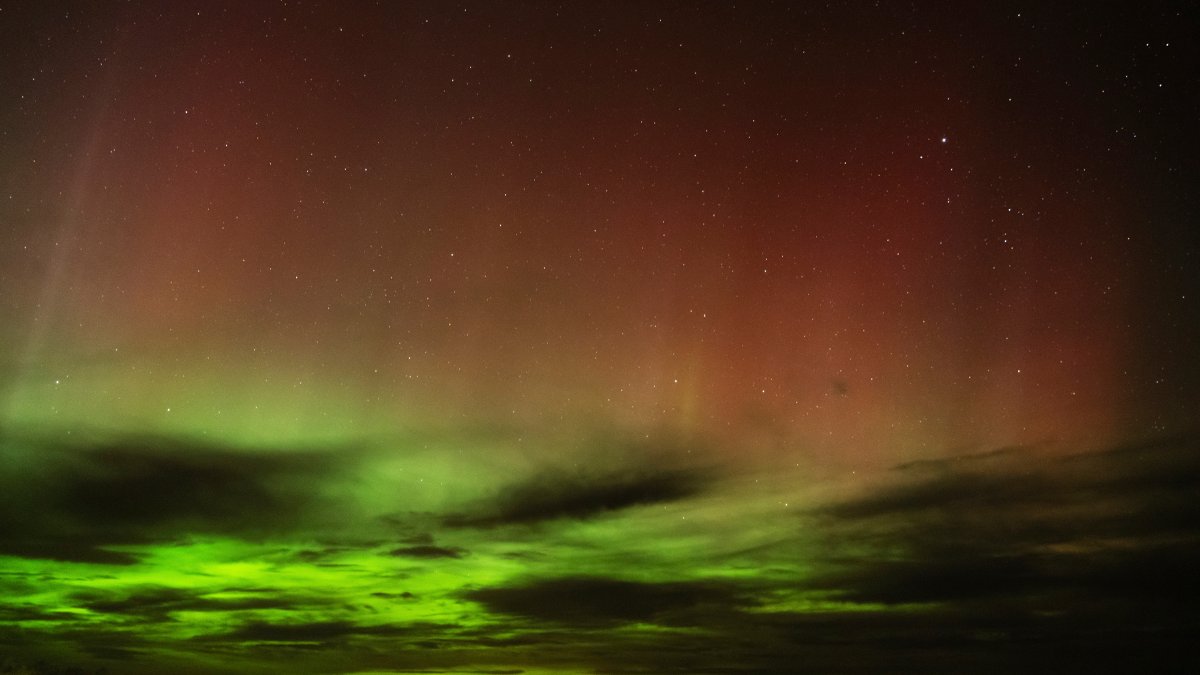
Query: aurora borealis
x=365, y=338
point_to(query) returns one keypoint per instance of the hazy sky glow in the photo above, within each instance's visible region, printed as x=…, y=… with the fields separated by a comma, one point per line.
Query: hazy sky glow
x=627, y=338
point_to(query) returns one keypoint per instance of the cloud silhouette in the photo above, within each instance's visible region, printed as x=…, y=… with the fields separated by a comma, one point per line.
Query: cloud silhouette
x=318, y=631
x=159, y=603
x=595, y=601
x=85, y=499
x=556, y=495
x=1115, y=528
x=426, y=551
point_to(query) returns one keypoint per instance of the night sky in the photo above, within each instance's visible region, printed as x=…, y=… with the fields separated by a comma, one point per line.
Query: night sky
x=366, y=338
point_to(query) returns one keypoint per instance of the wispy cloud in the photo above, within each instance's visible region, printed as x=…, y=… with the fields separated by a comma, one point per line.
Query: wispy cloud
x=427, y=551
x=559, y=495
x=1067, y=533
x=594, y=601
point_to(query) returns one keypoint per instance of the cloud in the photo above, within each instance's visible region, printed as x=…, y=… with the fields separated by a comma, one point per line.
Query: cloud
x=962, y=459
x=320, y=631
x=74, y=502
x=600, y=601
x=406, y=595
x=997, y=562
x=72, y=548
x=957, y=490
x=1118, y=530
x=25, y=612
x=555, y=495
x=427, y=552
x=326, y=634
x=158, y=603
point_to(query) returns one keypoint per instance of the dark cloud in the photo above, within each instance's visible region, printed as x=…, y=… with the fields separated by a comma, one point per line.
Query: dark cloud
x=427, y=551
x=11, y=613
x=1118, y=530
x=599, y=601
x=141, y=485
x=82, y=547
x=321, y=632
x=554, y=496
x=956, y=461
x=111, y=652
x=949, y=491
x=85, y=499
x=324, y=555
x=41, y=667
x=394, y=596
x=158, y=603
x=1010, y=561
x=936, y=580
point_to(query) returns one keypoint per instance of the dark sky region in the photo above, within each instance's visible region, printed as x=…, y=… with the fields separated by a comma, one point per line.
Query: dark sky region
x=617, y=337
